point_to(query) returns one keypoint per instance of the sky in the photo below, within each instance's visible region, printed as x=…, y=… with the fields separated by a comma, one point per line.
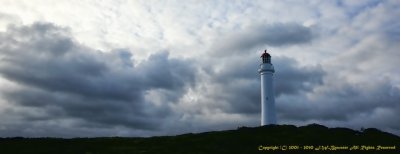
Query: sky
x=84, y=68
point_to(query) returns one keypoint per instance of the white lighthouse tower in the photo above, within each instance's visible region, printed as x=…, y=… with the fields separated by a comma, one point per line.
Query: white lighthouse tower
x=268, y=114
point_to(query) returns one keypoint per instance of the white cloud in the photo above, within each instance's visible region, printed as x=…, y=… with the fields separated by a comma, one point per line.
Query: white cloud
x=355, y=44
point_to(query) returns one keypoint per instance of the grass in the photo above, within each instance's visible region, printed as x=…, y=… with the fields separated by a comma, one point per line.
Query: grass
x=244, y=140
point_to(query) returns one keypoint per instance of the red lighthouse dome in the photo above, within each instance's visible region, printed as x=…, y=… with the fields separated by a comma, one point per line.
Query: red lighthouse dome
x=266, y=58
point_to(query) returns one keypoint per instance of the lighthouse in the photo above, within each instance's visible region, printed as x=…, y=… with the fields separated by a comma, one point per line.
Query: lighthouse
x=268, y=114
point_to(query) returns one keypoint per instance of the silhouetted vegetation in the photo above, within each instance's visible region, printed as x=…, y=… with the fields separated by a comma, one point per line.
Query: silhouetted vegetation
x=244, y=140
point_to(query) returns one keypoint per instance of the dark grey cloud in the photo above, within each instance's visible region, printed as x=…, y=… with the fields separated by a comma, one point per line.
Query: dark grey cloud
x=372, y=104
x=68, y=86
x=65, y=79
x=291, y=78
x=240, y=82
x=276, y=35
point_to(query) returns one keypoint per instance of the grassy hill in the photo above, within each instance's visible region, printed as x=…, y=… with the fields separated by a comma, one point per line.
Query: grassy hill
x=283, y=138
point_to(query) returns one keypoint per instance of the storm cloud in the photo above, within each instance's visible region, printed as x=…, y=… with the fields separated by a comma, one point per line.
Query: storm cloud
x=65, y=79
x=116, y=68
x=273, y=35
x=239, y=85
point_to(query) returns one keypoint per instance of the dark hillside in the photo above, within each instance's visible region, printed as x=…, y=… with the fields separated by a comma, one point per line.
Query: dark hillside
x=283, y=138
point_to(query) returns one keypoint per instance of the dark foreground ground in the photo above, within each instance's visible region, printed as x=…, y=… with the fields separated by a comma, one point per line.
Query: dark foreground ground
x=268, y=139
